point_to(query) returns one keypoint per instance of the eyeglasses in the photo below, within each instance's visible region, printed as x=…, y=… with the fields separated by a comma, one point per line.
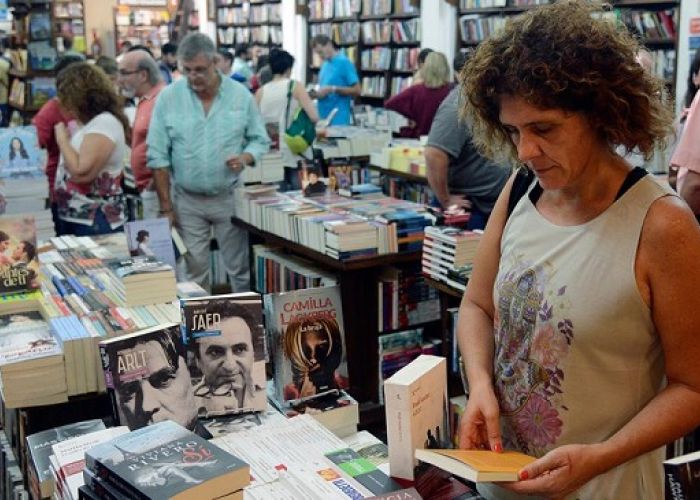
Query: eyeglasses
x=125, y=72
x=196, y=71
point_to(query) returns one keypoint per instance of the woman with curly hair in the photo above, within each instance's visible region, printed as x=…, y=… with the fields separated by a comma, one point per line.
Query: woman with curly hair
x=88, y=183
x=577, y=328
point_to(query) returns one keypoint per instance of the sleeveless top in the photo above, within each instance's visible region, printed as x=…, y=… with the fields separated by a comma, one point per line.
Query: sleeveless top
x=576, y=352
x=273, y=107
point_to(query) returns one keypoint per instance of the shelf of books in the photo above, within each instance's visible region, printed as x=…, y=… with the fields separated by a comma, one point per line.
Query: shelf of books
x=142, y=25
x=250, y=22
x=69, y=24
x=654, y=22
x=382, y=38
x=33, y=58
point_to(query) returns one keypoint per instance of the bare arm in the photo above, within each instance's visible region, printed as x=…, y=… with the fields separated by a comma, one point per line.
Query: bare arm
x=85, y=165
x=479, y=425
x=353, y=90
x=437, y=163
x=161, y=178
x=302, y=97
x=690, y=191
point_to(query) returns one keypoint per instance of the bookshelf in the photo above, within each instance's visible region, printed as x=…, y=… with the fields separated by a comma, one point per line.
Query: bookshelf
x=382, y=38
x=142, y=25
x=69, y=22
x=654, y=22
x=33, y=56
x=252, y=22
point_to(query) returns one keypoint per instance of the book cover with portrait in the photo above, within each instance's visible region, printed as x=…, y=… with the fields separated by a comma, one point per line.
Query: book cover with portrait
x=20, y=155
x=19, y=266
x=166, y=460
x=307, y=343
x=147, y=378
x=225, y=341
x=151, y=238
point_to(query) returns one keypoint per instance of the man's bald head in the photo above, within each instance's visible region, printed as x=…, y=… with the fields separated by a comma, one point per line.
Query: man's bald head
x=138, y=72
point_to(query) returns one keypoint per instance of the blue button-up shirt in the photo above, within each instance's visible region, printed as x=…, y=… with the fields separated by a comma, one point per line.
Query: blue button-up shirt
x=196, y=146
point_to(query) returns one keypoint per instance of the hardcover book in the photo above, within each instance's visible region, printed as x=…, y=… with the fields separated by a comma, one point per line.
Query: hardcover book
x=682, y=477
x=147, y=378
x=478, y=466
x=417, y=413
x=39, y=447
x=166, y=461
x=307, y=340
x=151, y=238
x=225, y=342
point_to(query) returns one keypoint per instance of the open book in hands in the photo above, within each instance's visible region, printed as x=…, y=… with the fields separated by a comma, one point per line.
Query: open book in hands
x=478, y=466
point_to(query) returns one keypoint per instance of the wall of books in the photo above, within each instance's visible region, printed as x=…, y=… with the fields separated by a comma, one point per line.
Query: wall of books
x=252, y=22
x=382, y=37
x=142, y=25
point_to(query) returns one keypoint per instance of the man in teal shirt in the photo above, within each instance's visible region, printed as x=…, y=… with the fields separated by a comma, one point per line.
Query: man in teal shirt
x=204, y=130
x=338, y=82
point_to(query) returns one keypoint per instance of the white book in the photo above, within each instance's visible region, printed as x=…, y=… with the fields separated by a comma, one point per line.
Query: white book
x=417, y=413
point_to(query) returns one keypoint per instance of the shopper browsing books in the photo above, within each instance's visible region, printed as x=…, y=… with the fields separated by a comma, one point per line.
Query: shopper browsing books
x=338, y=82
x=88, y=182
x=279, y=101
x=457, y=174
x=139, y=76
x=579, y=335
x=205, y=129
x=420, y=102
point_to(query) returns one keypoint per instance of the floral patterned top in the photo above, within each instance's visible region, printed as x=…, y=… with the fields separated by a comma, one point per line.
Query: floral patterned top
x=78, y=202
x=576, y=354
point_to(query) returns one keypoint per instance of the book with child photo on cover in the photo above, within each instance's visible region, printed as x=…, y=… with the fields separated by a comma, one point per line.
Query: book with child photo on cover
x=18, y=262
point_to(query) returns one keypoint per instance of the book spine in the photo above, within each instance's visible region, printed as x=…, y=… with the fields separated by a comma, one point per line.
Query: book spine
x=109, y=386
x=119, y=483
x=678, y=486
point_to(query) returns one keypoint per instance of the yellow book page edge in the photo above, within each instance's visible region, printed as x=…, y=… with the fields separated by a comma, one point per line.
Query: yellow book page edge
x=489, y=461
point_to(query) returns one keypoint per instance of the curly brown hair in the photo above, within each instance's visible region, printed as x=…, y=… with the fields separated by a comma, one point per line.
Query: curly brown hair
x=565, y=56
x=85, y=91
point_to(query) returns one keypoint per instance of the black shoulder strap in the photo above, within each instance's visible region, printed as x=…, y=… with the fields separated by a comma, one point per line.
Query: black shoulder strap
x=632, y=177
x=522, y=181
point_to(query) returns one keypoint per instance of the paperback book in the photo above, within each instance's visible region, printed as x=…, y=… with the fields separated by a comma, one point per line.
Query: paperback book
x=166, y=461
x=225, y=342
x=307, y=340
x=147, y=378
x=477, y=466
x=151, y=238
x=20, y=156
x=682, y=475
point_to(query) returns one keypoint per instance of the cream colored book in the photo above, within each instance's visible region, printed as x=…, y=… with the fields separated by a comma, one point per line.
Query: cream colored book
x=478, y=466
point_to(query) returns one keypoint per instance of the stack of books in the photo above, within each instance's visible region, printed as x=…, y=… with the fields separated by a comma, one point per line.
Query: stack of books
x=143, y=281
x=32, y=371
x=276, y=271
x=270, y=169
x=350, y=141
x=161, y=461
x=448, y=254
x=83, y=368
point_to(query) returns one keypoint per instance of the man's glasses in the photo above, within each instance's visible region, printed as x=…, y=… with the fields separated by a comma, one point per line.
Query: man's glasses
x=200, y=70
x=126, y=72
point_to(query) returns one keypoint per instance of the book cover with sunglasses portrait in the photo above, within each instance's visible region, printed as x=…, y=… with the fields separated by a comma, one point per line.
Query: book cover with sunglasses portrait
x=307, y=343
x=225, y=342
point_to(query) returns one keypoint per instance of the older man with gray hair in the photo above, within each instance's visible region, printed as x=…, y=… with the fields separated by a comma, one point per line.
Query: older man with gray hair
x=139, y=76
x=205, y=129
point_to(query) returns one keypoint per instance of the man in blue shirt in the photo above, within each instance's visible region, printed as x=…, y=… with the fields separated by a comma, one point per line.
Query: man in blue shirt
x=338, y=82
x=204, y=130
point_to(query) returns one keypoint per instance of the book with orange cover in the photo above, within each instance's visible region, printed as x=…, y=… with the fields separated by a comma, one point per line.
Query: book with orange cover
x=478, y=465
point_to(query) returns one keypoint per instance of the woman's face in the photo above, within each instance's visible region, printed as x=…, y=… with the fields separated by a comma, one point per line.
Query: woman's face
x=696, y=79
x=16, y=144
x=556, y=145
x=4, y=245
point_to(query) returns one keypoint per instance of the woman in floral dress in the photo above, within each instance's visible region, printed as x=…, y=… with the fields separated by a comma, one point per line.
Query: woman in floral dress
x=88, y=188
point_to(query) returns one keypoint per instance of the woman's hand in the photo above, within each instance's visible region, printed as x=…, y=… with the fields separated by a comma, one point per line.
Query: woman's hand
x=560, y=472
x=479, y=426
x=61, y=132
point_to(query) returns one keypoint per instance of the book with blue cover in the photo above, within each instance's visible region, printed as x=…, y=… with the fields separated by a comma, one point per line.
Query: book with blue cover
x=20, y=155
x=151, y=238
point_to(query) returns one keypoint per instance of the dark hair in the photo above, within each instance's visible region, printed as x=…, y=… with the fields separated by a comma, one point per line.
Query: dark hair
x=423, y=54
x=66, y=61
x=263, y=60
x=142, y=235
x=559, y=56
x=692, y=71
x=241, y=48
x=108, y=65
x=321, y=40
x=67, y=42
x=29, y=249
x=461, y=58
x=141, y=47
x=226, y=54
x=4, y=236
x=229, y=309
x=281, y=61
x=86, y=92
x=22, y=150
x=168, y=48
